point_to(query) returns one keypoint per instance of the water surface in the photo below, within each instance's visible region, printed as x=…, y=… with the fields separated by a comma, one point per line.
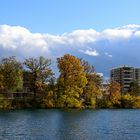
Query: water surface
x=57, y=124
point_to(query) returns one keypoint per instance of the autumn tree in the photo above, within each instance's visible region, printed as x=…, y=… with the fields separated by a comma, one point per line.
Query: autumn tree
x=88, y=69
x=4, y=103
x=11, y=74
x=136, y=103
x=49, y=99
x=128, y=101
x=114, y=90
x=71, y=81
x=134, y=88
x=1, y=82
x=40, y=72
x=92, y=89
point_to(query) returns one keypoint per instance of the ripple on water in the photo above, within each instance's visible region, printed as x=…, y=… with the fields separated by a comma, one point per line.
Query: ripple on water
x=70, y=124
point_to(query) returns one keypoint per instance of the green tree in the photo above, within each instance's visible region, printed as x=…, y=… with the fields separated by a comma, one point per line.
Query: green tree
x=11, y=74
x=40, y=73
x=71, y=81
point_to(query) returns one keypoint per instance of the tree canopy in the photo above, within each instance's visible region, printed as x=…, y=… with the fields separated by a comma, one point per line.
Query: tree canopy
x=71, y=81
x=11, y=74
x=40, y=72
x=77, y=86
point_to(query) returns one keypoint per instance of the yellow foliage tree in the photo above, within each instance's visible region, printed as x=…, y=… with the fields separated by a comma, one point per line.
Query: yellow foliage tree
x=114, y=91
x=71, y=81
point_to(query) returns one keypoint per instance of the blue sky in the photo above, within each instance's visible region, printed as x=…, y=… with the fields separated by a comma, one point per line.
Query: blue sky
x=59, y=16
x=104, y=32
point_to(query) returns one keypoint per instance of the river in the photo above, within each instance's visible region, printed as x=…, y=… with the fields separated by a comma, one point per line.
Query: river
x=70, y=124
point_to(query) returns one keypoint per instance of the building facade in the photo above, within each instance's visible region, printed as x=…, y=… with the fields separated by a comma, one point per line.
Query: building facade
x=137, y=75
x=125, y=75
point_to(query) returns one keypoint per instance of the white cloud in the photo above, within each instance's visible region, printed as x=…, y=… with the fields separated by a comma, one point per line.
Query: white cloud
x=107, y=54
x=116, y=34
x=16, y=37
x=130, y=27
x=121, y=44
x=100, y=74
x=90, y=52
x=137, y=34
x=83, y=36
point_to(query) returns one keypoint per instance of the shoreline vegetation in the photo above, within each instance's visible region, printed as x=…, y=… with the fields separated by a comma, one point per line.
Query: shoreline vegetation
x=31, y=84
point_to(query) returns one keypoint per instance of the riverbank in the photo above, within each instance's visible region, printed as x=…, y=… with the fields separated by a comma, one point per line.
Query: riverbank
x=126, y=102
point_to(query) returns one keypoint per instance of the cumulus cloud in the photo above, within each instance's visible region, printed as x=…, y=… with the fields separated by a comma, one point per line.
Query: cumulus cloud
x=83, y=36
x=12, y=37
x=122, y=43
x=116, y=34
x=16, y=37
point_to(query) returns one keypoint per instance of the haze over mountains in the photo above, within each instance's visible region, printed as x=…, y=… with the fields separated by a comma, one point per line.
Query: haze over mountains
x=106, y=49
